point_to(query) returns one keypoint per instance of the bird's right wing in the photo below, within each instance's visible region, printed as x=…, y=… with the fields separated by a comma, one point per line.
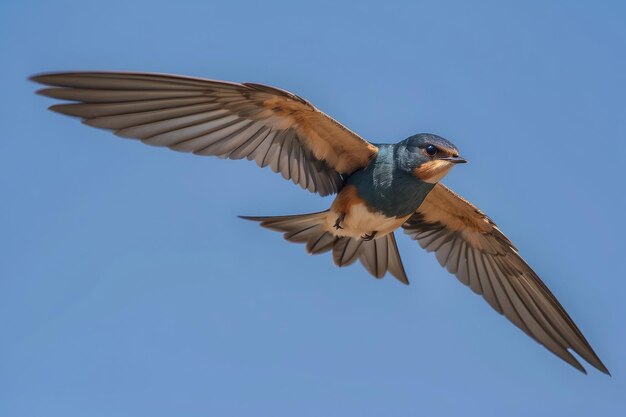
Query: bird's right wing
x=230, y=120
x=472, y=247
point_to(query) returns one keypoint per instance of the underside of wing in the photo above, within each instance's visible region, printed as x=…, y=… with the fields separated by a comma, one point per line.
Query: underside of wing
x=471, y=246
x=230, y=120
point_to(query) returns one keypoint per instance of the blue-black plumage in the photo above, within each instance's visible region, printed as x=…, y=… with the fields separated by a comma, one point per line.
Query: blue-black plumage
x=388, y=184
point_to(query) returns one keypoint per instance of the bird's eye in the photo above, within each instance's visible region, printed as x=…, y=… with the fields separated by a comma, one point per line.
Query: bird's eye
x=431, y=150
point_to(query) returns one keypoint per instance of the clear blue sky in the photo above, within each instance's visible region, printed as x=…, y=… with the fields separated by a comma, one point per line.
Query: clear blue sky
x=128, y=286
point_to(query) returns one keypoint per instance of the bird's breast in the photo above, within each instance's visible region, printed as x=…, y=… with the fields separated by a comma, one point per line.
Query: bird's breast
x=359, y=218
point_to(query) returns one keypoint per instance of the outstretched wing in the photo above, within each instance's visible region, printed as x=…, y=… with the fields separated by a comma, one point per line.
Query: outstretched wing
x=230, y=120
x=472, y=247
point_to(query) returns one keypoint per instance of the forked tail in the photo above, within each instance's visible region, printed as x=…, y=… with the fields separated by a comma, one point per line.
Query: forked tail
x=378, y=255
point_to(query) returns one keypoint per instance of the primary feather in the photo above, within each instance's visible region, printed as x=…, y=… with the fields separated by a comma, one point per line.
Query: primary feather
x=268, y=125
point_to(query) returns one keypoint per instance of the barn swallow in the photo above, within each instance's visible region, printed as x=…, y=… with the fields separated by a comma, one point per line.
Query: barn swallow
x=380, y=187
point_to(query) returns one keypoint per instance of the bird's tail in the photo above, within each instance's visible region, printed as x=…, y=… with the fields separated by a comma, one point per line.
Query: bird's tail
x=378, y=255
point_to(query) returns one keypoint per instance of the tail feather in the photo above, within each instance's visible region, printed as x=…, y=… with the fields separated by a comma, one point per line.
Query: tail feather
x=346, y=251
x=379, y=256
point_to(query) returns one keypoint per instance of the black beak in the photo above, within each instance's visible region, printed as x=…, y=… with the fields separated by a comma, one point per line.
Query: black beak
x=455, y=160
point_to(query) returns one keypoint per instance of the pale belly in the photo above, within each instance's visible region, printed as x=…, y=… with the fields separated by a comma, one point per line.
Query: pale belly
x=359, y=221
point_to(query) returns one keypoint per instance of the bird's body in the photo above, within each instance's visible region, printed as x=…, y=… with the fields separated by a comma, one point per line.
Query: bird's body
x=380, y=188
x=379, y=198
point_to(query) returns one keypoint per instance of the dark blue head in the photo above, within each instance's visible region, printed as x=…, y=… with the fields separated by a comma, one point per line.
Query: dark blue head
x=427, y=157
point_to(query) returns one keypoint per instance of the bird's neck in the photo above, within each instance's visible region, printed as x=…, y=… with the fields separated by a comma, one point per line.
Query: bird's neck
x=388, y=189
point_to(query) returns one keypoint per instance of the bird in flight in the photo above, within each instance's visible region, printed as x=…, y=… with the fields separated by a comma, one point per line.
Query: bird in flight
x=380, y=187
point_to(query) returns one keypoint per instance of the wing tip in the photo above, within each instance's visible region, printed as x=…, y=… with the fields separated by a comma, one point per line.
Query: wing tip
x=591, y=357
x=39, y=77
x=577, y=365
x=601, y=367
x=251, y=218
x=64, y=109
x=45, y=92
x=568, y=357
x=47, y=78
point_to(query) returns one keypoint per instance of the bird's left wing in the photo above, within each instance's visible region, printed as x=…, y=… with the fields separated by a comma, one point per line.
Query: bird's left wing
x=206, y=117
x=472, y=247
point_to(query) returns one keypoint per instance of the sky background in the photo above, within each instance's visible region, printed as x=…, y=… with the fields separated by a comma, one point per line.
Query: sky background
x=128, y=286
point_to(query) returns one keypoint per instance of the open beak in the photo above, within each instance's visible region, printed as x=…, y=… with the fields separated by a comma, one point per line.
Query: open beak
x=455, y=160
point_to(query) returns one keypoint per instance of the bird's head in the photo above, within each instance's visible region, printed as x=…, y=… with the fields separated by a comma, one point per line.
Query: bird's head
x=427, y=157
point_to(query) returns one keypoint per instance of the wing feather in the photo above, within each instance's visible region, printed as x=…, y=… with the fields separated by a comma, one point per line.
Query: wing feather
x=471, y=246
x=206, y=117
